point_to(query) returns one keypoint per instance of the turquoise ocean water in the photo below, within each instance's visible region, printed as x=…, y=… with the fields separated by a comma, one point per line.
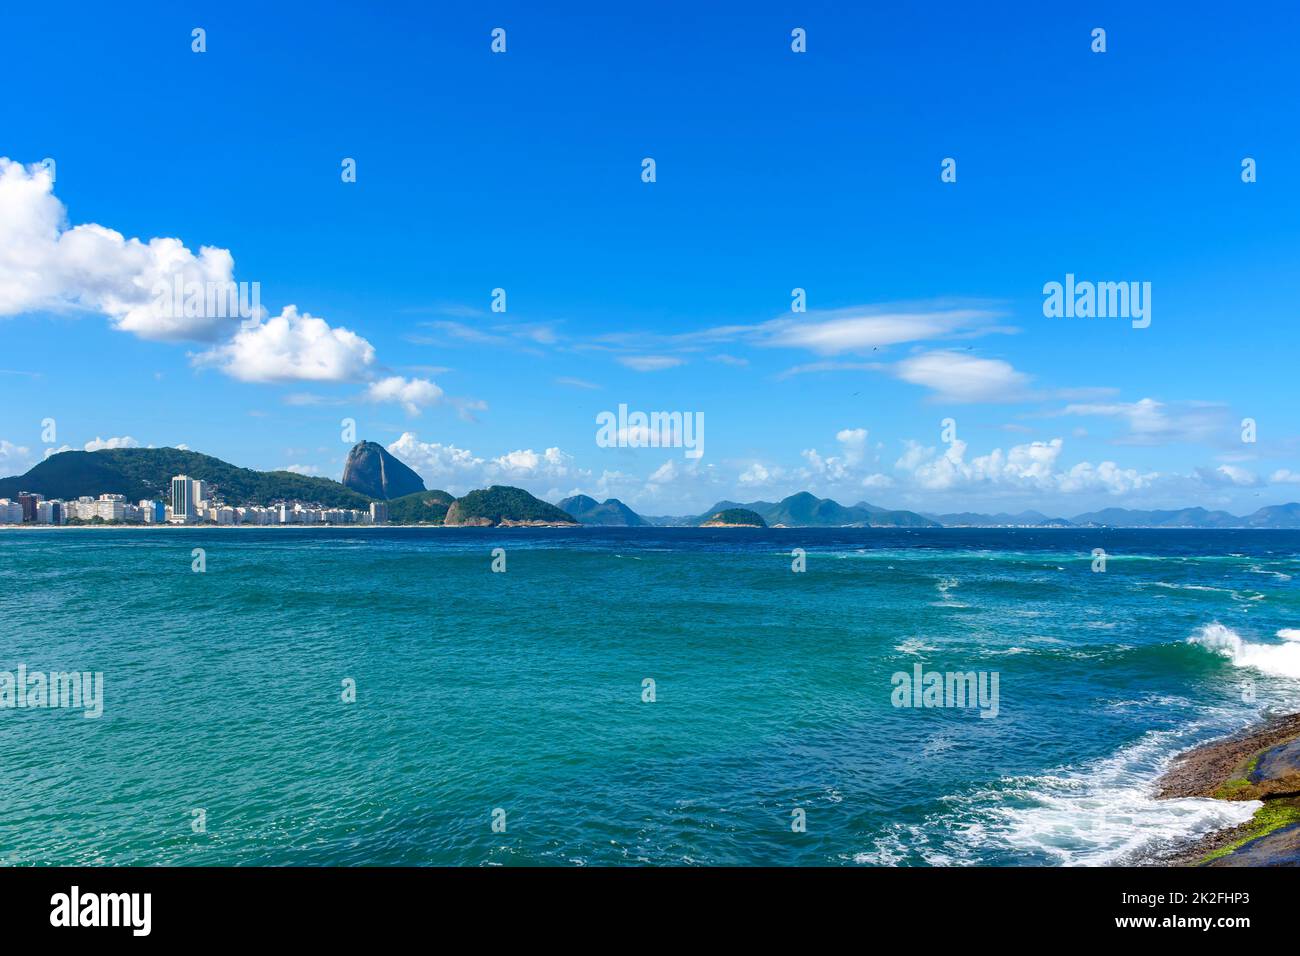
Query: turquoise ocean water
x=523, y=691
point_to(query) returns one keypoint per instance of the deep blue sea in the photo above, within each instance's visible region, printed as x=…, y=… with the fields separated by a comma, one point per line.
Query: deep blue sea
x=523, y=692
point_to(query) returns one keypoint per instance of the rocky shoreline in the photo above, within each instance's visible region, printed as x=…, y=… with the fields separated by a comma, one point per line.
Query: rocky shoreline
x=1260, y=763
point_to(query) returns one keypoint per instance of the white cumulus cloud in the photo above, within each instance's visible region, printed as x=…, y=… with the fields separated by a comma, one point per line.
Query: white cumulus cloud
x=98, y=444
x=411, y=393
x=291, y=347
x=459, y=469
x=47, y=265
x=1028, y=467
x=13, y=458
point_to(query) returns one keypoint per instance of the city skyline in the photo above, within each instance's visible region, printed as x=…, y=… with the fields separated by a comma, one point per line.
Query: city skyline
x=190, y=501
x=925, y=299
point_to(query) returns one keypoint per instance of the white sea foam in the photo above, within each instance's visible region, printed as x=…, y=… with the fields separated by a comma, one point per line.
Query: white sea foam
x=1102, y=813
x=1192, y=587
x=1282, y=660
x=1289, y=633
x=913, y=645
x=1280, y=575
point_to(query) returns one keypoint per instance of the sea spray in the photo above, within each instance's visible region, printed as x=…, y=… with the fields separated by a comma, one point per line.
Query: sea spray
x=1282, y=660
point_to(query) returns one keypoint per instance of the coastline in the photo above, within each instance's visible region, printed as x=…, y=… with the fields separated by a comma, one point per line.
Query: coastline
x=1259, y=763
x=268, y=527
x=34, y=526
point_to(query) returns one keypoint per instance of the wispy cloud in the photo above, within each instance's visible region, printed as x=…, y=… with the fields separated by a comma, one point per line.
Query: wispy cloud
x=725, y=359
x=961, y=377
x=866, y=328
x=650, y=363
x=1151, y=422
x=811, y=367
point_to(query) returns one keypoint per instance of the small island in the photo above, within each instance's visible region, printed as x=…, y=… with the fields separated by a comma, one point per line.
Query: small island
x=504, y=507
x=735, y=518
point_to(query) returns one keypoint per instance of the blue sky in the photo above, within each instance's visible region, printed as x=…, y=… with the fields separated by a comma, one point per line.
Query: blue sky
x=775, y=170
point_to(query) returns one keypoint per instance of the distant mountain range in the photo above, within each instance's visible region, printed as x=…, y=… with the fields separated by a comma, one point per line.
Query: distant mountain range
x=374, y=474
x=1273, y=516
x=806, y=510
x=1025, y=519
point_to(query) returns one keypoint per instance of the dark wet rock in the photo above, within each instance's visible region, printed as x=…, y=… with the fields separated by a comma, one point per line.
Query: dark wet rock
x=1277, y=763
x=1279, y=848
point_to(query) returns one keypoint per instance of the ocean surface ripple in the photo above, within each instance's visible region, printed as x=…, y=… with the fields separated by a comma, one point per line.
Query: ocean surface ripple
x=523, y=691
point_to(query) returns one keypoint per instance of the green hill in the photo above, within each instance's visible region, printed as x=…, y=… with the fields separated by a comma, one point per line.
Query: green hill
x=806, y=510
x=609, y=513
x=422, y=507
x=147, y=473
x=734, y=518
x=503, y=505
x=891, y=518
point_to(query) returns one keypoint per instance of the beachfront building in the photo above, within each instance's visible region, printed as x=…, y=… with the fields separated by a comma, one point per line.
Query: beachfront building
x=256, y=515
x=378, y=512
x=183, y=509
x=29, y=500
x=111, y=507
